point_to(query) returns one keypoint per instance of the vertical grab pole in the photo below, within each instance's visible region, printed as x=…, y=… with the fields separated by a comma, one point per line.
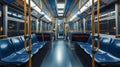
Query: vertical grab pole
x=79, y=5
x=29, y=33
x=93, y=33
x=25, y=23
x=41, y=4
x=98, y=14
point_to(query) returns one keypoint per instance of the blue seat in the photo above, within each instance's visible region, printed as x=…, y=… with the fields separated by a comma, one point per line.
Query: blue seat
x=8, y=54
x=34, y=50
x=104, y=45
x=85, y=45
x=88, y=49
x=18, y=45
x=115, y=48
x=112, y=54
x=36, y=45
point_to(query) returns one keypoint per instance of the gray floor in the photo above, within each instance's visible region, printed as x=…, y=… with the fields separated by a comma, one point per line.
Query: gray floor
x=61, y=56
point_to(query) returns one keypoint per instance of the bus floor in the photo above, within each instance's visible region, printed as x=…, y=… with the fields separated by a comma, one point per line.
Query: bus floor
x=61, y=53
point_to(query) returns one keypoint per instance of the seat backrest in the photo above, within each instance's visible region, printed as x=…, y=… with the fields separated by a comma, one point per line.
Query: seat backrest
x=115, y=48
x=17, y=43
x=79, y=37
x=96, y=41
x=6, y=48
x=90, y=40
x=39, y=36
x=47, y=36
x=105, y=43
x=23, y=39
x=34, y=38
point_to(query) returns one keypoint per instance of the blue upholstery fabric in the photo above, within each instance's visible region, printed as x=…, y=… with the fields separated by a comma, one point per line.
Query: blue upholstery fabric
x=8, y=54
x=36, y=45
x=34, y=38
x=105, y=43
x=109, y=51
x=17, y=43
x=12, y=49
x=105, y=58
x=16, y=58
x=115, y=48
x=6, y=48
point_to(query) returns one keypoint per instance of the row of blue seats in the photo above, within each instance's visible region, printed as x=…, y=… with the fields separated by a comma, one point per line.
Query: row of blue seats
x=109, y=52
x=12, y=49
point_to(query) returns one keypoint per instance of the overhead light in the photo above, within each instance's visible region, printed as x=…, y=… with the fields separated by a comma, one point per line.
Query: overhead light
x=60, y=11
x=60, y=5
x=37, y=9
x=73, y=17
x=88, y=4
x=42, y=13
x=47, y=18
x=34, y=6
x=60, y=14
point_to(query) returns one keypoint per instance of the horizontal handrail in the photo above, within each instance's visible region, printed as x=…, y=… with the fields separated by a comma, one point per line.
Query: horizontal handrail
x=3, y=36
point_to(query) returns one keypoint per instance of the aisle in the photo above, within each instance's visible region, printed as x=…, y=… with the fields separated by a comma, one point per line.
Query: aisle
x=61, y=56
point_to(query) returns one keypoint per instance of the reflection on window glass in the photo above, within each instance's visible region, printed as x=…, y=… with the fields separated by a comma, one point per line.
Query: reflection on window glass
x=80, y=25
x=107, y=27
x=15, y=13
x=33, y=20
x=15, y=28
x=88, y=24
x=71, y=24
x=33, y=26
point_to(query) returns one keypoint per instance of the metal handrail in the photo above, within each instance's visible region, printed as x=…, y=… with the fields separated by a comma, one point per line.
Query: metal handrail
x=3, y=36
x=25, y=23
x=93, y=33
x=29, y=34
x=98, y=14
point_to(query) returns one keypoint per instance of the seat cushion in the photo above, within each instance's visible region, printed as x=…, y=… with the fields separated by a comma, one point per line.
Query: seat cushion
x=106, y=58
x=22, y=51
x=16, y=58
x=105, y=43
x=6, y=48
x=17, y=43
x=115, y=48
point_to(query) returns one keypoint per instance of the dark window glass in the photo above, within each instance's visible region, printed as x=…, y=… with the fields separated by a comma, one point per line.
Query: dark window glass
x=15, y=13
x=15, y=28
x=107, y=24
x=88, y=24
x=43, y=25
x=33, y=26
x=33, y=20
x=80, y=25
x=39, y=26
